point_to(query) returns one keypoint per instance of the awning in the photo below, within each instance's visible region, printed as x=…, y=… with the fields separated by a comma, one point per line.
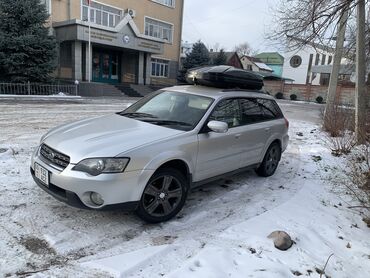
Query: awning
x=125, y=35
x=344, y=69
x=272, y=76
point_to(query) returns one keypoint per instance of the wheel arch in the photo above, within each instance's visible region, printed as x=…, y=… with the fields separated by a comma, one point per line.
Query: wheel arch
x=271, y=141
x=180, y=165
x=276, y=141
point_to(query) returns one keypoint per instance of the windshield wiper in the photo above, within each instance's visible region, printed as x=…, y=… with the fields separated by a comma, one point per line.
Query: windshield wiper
x=167, y=122
x=136, y=115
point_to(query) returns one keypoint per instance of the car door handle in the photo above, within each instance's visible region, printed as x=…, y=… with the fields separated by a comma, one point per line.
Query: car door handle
x=237, y=136
x=267, y=129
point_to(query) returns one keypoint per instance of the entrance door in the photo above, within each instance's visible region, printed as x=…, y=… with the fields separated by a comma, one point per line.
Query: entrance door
x=105, y=67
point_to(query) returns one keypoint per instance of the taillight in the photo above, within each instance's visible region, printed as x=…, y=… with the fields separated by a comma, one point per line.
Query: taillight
x=286, y=122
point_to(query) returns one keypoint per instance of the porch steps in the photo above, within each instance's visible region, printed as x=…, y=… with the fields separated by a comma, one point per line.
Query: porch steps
x=98, y=90
x=143, y=90
x=133, y=90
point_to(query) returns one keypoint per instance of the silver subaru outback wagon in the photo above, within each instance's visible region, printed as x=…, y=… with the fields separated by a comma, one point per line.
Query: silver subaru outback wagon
x=147, y=157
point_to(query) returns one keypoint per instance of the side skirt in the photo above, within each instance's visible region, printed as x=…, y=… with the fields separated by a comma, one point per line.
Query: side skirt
x=219, y=177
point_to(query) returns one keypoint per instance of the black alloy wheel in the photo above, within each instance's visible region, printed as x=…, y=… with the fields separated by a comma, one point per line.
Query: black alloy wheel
x=163, y=197
x=270, y=161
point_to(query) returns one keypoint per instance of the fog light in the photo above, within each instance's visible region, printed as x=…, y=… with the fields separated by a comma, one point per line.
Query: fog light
x=96, y=198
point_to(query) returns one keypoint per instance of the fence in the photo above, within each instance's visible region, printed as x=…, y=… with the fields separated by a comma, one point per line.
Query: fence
x=37, y=89
x=345, y=93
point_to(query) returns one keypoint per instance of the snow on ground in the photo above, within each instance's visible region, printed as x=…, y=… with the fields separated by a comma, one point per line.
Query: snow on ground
x=221, y=232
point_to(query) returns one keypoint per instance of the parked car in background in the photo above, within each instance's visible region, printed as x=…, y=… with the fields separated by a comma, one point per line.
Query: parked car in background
x=147, y=157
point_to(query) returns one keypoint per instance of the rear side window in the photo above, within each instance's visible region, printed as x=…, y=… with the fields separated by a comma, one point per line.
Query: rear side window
x=258, y=110
x=270, y=108
x=251, y=111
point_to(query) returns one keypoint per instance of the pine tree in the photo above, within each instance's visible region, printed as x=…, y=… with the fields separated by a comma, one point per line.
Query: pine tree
x=199, y=56
x=27, y=51
x=220, y=59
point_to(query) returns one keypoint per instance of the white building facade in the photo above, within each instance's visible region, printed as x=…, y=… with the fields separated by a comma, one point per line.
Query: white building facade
x=303, y=65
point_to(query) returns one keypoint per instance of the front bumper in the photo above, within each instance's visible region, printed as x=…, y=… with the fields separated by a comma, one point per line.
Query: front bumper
x=123, y=190
x=73, y=200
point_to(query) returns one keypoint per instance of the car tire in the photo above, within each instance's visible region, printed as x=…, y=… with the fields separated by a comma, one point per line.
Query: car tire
x=270, y=161
x=164, y=196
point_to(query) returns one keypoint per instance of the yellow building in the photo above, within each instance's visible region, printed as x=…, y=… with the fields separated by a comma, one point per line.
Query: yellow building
x=131, y=41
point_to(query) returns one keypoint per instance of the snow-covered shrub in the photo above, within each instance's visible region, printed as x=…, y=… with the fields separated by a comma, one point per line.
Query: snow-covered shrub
x=319, y=99
x=279, y=95
x=293, y=97
x=341, y=144
x=359, y=173
x=337, y=120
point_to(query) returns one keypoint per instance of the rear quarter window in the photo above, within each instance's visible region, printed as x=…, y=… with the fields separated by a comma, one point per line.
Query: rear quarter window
x=256, y=110
x=270, y=108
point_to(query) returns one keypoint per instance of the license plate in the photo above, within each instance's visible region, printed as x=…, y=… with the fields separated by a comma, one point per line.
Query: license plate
x=42, y=174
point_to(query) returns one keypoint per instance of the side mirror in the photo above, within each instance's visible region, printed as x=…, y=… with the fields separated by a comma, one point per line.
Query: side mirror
x=217, y=126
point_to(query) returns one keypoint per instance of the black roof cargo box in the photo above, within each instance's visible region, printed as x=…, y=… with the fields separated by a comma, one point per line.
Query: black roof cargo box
x=224, y=77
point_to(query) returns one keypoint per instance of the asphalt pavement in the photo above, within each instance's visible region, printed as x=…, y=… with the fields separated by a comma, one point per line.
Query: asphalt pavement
x=302, y=111
x=293, y=110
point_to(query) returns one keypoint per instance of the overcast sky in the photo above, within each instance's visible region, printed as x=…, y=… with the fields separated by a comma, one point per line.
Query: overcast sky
x=229, y=22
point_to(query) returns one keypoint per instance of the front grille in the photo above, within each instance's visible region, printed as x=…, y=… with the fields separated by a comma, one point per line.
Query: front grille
x=53, y=157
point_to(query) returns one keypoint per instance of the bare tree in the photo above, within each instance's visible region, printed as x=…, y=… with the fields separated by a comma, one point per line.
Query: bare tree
x=243, y=49
x=361, y=98
x=333, y=84
x=216, y=47
x=302, y=22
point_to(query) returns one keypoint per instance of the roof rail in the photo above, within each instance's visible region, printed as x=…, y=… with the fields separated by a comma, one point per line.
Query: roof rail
x=244, y=90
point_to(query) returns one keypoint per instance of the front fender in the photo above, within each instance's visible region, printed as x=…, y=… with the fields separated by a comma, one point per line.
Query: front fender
x=168, y=156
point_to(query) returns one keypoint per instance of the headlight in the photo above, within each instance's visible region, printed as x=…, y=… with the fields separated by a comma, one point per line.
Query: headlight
x=97, y=166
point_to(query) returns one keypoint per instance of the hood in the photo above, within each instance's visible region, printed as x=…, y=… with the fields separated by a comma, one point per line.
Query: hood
x=106, y=136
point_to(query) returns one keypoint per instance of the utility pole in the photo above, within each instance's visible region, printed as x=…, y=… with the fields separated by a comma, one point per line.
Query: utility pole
x=361, y=100
x=333, y=83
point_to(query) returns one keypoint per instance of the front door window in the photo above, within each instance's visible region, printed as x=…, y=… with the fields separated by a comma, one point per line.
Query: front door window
x=105, y=67
x=114, y=74
x=96, y=66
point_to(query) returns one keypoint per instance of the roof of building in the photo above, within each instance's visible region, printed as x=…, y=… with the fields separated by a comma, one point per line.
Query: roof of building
x=271, y=58
x=252, y=59
x=261, y=65
x=272, y=76
x=229, y=55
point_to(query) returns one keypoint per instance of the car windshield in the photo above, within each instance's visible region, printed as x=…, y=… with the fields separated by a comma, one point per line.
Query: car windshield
x=170, y=109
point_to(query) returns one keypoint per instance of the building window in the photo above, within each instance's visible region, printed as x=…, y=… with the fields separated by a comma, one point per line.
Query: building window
x=249, y=67
x=101, y=14
x=296, y=61
x=169, y=3
x=47, y=4
x=323, y=59
x=324, y=79
x=330, y=59
x=159, y=67
x=158, y=29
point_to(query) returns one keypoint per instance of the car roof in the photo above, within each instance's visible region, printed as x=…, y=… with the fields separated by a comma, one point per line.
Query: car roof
x=217, y=93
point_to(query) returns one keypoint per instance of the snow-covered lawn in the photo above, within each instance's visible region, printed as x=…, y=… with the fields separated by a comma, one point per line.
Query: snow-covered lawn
x=221, y=232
